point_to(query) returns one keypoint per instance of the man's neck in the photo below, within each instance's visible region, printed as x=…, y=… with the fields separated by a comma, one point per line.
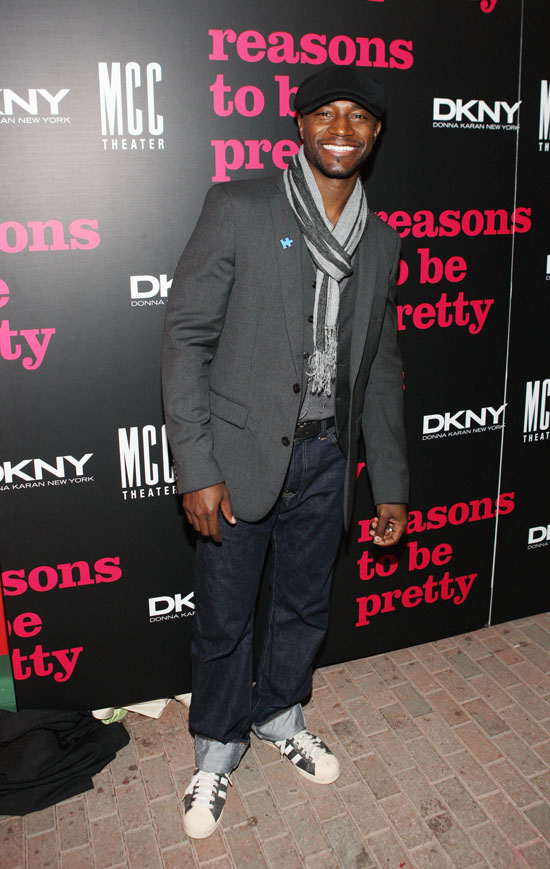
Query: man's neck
x=335, y=192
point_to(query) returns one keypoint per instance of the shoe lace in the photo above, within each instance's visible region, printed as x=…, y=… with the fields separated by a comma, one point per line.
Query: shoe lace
x=308, y=744
x=204, y=787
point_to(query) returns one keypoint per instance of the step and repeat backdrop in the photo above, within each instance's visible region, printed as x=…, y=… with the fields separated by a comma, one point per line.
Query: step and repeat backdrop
x=115, y=118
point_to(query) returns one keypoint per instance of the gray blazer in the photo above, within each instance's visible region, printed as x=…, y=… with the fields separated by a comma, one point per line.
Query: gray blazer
x=233, y=344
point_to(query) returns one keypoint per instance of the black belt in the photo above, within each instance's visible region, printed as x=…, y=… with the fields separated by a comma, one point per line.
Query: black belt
x=312, y=427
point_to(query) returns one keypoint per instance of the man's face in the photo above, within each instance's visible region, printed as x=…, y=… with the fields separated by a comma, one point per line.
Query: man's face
x=338, y=137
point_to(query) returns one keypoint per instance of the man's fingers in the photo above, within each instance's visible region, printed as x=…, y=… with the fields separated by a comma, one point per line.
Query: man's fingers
x=191, y=518
x=390, y=524
x=202, y=507
x=213, y=528
x=380, y=529
x=227, y=509
x=390, y=537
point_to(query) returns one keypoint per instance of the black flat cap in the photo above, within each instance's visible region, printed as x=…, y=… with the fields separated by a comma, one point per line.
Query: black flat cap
x=340, y=83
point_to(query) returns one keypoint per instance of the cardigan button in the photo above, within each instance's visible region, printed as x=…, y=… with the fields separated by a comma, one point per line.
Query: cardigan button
x=296, y=387
x=285, y=441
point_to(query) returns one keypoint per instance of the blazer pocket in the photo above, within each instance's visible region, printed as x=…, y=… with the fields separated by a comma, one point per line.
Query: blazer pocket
x=228, y=410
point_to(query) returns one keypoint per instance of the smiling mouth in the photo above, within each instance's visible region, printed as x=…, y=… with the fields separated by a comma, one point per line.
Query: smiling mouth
x=340, y=149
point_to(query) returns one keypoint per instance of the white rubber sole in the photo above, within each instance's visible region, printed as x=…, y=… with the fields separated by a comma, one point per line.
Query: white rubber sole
x=196, y=835
x=314, y=778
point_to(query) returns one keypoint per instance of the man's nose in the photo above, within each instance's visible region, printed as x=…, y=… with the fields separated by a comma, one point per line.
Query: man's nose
x=341, y=126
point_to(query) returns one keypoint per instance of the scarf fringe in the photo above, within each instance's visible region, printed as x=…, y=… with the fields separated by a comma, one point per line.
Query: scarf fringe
x=322, y=364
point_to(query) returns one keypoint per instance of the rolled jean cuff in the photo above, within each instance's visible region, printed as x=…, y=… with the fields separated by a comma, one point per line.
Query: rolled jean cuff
x=282, y=726
x=214, y=756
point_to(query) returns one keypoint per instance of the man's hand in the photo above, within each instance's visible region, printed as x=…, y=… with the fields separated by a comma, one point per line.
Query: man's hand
x=202, y=508
x=390, y=524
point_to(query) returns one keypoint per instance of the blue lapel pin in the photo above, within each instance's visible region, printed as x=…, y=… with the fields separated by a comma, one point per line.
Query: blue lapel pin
x=286, y=242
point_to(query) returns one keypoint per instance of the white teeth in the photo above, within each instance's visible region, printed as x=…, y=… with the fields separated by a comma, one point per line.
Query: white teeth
x=341, y=149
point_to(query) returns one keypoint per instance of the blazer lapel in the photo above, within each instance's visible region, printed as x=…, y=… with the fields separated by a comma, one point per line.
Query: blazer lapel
x=288, y=242
x=366, y=270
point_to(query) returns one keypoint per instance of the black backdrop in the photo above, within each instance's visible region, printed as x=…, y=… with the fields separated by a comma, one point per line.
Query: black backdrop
x=115, y=119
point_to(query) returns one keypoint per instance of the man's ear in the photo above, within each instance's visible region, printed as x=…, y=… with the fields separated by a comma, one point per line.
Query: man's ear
x=300, y=122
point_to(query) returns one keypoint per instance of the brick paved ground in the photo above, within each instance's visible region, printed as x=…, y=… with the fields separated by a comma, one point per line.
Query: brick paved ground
x=445, y=752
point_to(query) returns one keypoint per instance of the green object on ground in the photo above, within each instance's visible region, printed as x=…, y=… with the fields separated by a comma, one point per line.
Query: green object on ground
x=7, y=691
x=116, y=716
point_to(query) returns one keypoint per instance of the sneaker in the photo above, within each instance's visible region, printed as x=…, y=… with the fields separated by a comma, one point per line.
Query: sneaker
x=311, y=757
x=204, y=802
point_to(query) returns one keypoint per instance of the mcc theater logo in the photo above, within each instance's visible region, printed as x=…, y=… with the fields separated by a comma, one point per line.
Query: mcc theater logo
x=128, y=105
x=536, y=416
x=145, y=463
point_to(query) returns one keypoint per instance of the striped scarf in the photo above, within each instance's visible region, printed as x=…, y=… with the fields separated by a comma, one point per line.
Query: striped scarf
x=331, y=248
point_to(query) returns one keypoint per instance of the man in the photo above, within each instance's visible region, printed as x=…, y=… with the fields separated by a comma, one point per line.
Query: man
x=280, y=349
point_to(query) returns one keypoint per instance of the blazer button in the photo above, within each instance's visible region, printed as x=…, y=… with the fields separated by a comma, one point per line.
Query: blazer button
x=296, y=387
x=285, y=441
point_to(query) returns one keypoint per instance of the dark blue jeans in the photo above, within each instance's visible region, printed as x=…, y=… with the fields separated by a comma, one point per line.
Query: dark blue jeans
x=304, y=529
